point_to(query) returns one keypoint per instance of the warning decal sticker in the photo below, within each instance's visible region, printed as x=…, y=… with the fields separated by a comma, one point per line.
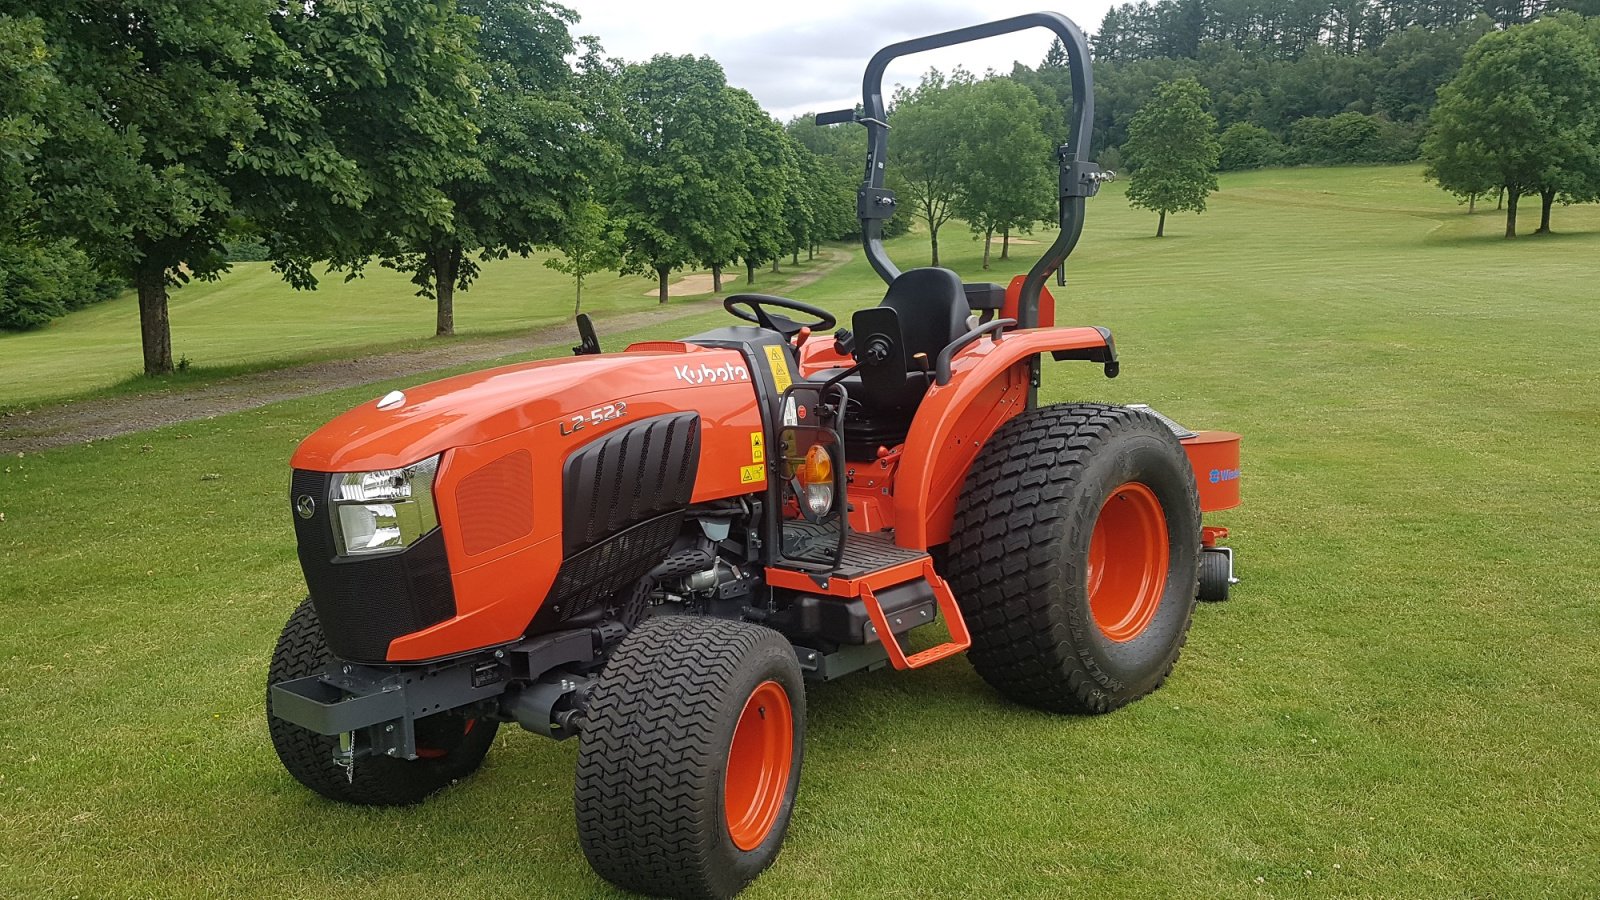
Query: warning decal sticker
x=779, y=366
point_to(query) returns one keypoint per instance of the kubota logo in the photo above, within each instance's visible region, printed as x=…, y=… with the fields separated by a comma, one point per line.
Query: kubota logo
x=1220, y=475
x=708, y=375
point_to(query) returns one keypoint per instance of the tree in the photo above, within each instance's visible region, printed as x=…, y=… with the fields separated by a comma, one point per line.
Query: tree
x=1522, y=110
x=761, y=162
x=833, y=170
x=186, y=117
x=510, y=192
x=1172, y=149
x=154, y=102
x=672, y=202
x=1004, y=163
x=924, y=144
x=588, y=244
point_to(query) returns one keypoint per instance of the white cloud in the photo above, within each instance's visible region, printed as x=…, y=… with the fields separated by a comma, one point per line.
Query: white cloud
x=810, y=56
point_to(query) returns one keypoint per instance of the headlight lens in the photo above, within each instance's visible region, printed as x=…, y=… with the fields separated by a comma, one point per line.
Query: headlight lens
x=384, y=510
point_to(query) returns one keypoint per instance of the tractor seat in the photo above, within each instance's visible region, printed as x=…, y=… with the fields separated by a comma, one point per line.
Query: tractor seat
x=923, y=312
x=933, y=310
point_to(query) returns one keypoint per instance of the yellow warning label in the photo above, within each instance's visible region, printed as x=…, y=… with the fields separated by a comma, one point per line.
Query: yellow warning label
x=758, y=447
x=752, y=474
x=780, y=367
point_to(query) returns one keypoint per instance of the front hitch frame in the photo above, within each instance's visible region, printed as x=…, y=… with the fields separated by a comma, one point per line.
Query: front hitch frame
x=379, y=706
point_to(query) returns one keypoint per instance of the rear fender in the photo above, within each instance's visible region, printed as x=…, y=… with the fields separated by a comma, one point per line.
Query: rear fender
x=988, y=387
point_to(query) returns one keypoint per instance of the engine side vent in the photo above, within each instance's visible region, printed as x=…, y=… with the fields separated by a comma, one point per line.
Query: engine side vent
x=598, y=573
x=495, y=503
x=630, y=475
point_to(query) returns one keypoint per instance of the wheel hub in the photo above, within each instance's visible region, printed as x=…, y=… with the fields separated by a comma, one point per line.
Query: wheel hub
x=759, y=761
x=1128, y=558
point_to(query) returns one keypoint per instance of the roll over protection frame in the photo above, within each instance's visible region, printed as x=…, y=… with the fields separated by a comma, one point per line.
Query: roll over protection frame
x=1079, y=178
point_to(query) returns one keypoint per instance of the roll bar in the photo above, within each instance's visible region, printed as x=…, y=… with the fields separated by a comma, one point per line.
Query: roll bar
x=1079, y=179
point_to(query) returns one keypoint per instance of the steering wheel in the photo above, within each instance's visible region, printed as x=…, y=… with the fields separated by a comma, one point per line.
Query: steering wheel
x=735, y=303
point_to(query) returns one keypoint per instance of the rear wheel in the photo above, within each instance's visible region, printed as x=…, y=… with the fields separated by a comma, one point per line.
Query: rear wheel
x=449, y=746
x=690, y=757
x=1074, y=556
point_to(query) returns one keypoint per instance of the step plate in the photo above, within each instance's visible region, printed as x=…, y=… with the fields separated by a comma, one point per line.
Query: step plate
x=869, y=560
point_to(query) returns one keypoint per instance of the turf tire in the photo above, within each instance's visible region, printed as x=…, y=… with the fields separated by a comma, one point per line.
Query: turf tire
x=378, y=780
x=1018, y=557
x=654, y=750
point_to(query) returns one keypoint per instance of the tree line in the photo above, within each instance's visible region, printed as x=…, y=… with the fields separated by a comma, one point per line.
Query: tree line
x=1350, y=81
x=140, y=141
x=1498, y=97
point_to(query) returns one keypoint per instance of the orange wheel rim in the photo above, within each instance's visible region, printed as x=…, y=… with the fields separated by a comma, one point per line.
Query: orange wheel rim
x=758, y=765
x=1128, y=556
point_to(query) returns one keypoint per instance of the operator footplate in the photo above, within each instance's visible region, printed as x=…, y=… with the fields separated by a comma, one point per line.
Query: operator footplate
x=877, y=591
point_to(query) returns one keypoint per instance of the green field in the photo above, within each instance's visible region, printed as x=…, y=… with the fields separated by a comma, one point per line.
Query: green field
x=250, y=319
x=1401, y=699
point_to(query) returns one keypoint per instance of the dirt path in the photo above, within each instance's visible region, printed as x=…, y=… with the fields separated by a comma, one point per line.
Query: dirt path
x=94, y=419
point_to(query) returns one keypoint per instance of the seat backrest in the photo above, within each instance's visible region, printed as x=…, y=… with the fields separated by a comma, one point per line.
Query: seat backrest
x=932, y=305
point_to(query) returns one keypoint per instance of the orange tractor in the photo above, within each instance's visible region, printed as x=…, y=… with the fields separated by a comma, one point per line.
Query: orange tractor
x=653, y=550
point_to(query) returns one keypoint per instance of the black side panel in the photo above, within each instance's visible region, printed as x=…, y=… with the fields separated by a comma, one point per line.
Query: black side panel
x=364, y=603
x=598, y=573
x=630, y=475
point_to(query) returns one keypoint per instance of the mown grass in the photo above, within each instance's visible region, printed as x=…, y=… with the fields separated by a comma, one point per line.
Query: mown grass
x=249, y=320
x=1400, y=700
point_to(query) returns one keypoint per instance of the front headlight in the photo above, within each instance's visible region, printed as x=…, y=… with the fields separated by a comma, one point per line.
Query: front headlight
x=384, y=510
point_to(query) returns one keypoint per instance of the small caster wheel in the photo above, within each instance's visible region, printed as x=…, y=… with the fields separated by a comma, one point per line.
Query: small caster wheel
x=1216, y=575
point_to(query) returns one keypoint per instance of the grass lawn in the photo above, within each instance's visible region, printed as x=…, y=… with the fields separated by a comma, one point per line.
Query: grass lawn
x=1401, y=700
x=251, y=320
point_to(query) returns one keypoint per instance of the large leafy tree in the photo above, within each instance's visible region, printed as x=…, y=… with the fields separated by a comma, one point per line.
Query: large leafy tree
x=769, y=175
x=40, y=278
x=1523, y=113
x=672, y=202
x=830, y=160
x=180, y=118
x=924, y=146
x=1172, y=149
x=513, y=189
x=29, y=96
x=397, y=99
x=140, y=158
x=1004, y=162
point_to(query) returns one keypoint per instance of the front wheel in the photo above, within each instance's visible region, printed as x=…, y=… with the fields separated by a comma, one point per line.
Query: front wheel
x=1074, y=556
x=690, y=757
x=449, y=746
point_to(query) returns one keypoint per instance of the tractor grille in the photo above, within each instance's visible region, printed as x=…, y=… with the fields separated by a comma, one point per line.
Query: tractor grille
x=365, y=603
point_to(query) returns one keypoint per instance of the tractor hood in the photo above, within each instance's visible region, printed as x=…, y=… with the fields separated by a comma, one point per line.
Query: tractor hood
x=394, y=431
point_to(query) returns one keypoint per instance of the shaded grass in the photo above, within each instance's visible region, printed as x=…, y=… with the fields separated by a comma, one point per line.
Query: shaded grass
x=1400, y=700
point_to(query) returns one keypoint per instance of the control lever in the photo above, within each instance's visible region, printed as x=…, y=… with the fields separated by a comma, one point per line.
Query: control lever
x=588, y=343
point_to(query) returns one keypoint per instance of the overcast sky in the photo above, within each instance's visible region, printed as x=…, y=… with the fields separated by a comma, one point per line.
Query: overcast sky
x=809, y=55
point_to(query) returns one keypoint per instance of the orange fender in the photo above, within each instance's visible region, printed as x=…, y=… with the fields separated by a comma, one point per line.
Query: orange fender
x=988, y=387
